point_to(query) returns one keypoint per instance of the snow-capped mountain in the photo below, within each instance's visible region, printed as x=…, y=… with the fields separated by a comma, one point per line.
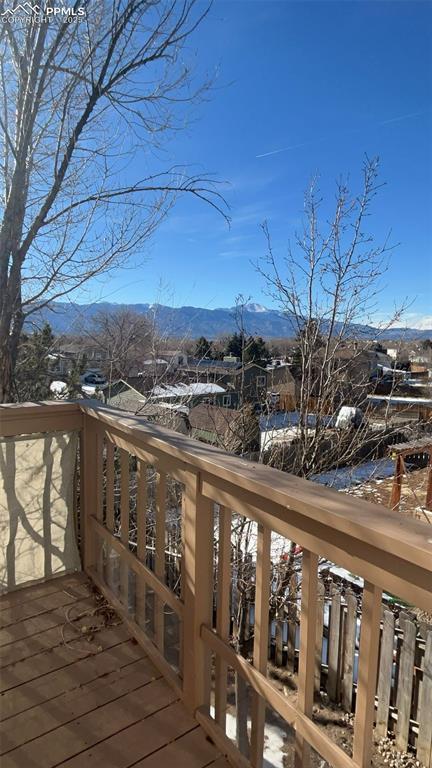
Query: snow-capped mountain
x=191, y=322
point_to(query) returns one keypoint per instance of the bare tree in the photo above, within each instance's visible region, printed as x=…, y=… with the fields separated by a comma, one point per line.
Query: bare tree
x=329, y=284
x=124, y=336
x=78, y=101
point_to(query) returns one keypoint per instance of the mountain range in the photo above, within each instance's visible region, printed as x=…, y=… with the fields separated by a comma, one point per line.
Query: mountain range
x=192, y=322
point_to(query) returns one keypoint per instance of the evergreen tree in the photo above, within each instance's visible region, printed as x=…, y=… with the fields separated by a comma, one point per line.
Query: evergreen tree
x=74, y=378
x=251, y=349
x=256, y=351
x=32, y=381
x=203, y=348
x=235, y=345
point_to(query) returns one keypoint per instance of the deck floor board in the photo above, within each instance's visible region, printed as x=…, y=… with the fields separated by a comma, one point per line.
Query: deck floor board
x=83, y=702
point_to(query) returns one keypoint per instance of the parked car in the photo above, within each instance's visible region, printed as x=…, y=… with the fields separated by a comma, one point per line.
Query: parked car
x=93, y=377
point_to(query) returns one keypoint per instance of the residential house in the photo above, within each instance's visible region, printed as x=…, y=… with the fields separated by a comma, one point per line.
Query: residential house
x=248, y=381
x=174, y=358
x=351, y=365
x=192, y=393
x=211, y=424
x=234, y=431
x=67, y=354
x=360, y=365
x=175, y=417
x=120, y=394
x=281, y=388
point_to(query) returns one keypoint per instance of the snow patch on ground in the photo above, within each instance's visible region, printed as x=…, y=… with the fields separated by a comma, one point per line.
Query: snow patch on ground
x=274, y=740
x=346, y=477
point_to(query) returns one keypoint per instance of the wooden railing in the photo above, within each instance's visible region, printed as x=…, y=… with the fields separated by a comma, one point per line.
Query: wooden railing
x=126, y=467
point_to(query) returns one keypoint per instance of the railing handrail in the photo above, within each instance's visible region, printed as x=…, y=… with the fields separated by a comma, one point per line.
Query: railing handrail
x=46, y=416
x=358, y=518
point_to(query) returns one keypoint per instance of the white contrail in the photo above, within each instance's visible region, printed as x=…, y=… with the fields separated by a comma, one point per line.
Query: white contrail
x=354, y=130
x=401, y=117
x=287, y=149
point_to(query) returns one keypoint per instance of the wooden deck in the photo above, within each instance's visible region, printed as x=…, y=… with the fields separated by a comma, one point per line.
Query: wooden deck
x=77, y=691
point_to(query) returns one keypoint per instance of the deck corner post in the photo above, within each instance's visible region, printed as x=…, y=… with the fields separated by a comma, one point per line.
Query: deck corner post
x=91, y=490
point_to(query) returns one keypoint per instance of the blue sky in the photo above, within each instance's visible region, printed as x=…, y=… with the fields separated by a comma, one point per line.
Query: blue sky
x=326, y=82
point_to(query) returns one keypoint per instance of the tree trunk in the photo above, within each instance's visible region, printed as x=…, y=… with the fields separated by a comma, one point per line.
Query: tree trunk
x=5, y=372
x=10, y=333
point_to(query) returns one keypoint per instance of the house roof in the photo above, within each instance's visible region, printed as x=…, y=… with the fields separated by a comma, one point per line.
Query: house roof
x=226, y=366
x=167, y=416
x=186, y=390
x=119, y=386
x=400, y=400
x=211, y=418
x=123, y=396
x=221, y=366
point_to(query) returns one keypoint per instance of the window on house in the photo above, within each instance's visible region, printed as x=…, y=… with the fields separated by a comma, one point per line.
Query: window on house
x=261, y=381
x=226, y=400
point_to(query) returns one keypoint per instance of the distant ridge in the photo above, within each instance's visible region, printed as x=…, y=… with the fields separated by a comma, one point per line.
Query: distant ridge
x=191, y=322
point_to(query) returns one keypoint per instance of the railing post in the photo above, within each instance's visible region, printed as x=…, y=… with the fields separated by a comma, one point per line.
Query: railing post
x=198, y=593
x=397, y=485
x=306, y=675
x=124, y=524
x=91, y=490
x=159, y=561
x=223, y=612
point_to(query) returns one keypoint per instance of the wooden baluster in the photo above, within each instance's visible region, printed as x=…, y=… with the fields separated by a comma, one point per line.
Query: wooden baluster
x=367, y=675
x=262, y=595
x=160, y=556
x=306, y=674
x=223, y=611
x=181, y=565
x=198, y=594
x=99, y=501
x=292, y=624
x=334, y=645
x=319, y=634
x=124, y=524
x=141, y=521
x=91, y=493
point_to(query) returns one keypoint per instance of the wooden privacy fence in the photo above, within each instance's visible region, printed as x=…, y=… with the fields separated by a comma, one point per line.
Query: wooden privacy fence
x=404, y=682
x=178, y=626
